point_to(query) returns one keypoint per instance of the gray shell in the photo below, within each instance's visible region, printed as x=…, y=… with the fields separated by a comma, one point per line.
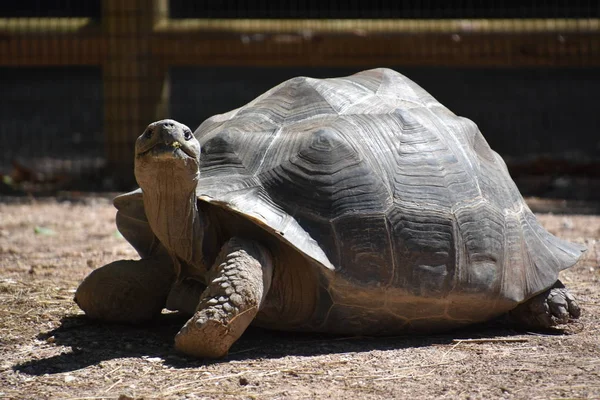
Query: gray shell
x=372, y=178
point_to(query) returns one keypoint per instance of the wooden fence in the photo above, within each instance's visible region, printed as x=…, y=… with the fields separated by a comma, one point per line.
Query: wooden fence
x=135, y=42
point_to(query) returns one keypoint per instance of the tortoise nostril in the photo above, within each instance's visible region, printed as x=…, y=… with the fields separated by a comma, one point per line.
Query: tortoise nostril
x=168, y=125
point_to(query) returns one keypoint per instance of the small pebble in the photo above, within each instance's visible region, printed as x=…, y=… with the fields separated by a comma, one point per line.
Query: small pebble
x=567, y=224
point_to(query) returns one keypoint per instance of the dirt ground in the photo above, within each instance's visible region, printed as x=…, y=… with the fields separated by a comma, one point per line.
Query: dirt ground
x=48, y=349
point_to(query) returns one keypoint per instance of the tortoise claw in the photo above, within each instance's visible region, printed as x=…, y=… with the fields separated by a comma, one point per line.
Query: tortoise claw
x=553, y=307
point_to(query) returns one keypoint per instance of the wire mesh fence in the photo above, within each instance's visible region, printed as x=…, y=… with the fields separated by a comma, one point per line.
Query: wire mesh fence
x=81, y=79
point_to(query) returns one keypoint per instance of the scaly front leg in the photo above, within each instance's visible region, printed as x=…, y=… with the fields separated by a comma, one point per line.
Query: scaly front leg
x=241, y=278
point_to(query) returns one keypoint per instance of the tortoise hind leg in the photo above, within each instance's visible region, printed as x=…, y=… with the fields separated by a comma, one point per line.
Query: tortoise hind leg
x=553, y=307
x=240, y=280
x=126, y=290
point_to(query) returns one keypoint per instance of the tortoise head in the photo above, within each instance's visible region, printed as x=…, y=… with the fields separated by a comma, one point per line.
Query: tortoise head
x=167, y=147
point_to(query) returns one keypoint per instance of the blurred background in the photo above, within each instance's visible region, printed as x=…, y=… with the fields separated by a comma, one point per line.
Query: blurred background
x=80, y=79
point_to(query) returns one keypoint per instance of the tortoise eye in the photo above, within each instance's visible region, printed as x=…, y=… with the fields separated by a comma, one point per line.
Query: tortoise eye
x=187, y=135
x=148, y=134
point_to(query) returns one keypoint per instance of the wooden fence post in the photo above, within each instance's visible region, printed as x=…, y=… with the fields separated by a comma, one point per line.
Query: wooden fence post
x=136, y=85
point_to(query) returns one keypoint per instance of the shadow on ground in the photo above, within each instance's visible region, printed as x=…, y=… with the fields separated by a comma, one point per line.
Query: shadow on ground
x=92, y=342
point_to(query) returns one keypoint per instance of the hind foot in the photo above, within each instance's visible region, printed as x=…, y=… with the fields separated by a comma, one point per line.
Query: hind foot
x=553, y=307
x=126, y=290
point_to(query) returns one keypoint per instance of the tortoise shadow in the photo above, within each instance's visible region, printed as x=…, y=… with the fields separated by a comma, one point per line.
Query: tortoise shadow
x=92, y=342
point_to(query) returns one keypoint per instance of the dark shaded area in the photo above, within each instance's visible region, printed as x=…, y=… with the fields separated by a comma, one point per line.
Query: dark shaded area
x=50, y=8
x=50, y=112
x=51, y=127
x=382, y=9
x=92, y=342
x=329, y=9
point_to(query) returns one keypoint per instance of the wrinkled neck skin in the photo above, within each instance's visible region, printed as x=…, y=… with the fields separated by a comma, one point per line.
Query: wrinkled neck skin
x=170, y=202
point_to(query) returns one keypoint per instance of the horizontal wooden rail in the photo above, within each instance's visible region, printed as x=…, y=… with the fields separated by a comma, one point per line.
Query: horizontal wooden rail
x=468, y=50
x=358, y=26
x=506, y=43
x=395, y=26
x=44, y=25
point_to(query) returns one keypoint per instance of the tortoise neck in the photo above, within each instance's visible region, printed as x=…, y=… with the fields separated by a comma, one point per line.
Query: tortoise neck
x=172, y=211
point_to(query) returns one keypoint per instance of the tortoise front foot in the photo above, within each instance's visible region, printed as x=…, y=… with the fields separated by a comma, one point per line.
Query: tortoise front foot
x=553, y=307
x=126, y=290
x=241, y=277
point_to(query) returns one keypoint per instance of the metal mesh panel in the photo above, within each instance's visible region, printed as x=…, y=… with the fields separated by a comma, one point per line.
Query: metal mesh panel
x=81, y=79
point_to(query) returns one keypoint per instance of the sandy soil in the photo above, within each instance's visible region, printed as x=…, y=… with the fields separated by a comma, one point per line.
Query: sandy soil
x=48, y=349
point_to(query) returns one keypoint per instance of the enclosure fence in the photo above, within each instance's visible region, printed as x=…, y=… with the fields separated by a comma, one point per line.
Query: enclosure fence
x=137, y=43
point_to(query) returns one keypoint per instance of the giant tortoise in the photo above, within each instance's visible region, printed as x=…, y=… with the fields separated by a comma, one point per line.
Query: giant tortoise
x=356, y=206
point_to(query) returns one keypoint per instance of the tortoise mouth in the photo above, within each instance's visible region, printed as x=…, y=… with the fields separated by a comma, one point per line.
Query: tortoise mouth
x=174, y=150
